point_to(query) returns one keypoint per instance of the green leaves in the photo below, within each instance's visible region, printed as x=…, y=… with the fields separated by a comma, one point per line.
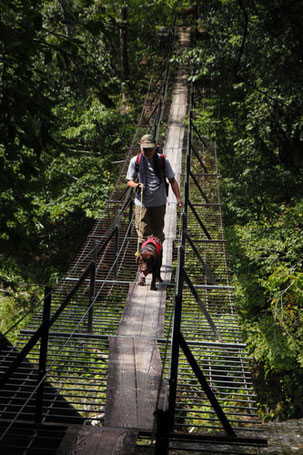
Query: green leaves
x=57, y=135
x=268, y=275
x=255, y=113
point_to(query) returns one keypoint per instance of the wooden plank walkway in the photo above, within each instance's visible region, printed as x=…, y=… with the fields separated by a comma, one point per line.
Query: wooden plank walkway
x=143, y=312
x=135, y=368
x=134, y=381
x=86, y=440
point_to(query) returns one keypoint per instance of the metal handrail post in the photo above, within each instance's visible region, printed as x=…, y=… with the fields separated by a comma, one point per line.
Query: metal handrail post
x=158, y=117
x=92, y=290
x=162, y=435
x=116, y=245
x=174, y=368
x=188, y=159
x=173, y=380
x=179, y=292
x=130, y=213
x=43, y=355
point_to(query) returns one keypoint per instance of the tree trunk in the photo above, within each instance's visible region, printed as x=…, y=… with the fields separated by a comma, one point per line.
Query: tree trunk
x=123, y=45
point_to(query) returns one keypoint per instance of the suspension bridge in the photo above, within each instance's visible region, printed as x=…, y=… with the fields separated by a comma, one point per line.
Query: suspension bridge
x=108, y=367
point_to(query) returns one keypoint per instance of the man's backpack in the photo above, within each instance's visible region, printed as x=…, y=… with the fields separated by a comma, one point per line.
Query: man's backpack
x=162, y=164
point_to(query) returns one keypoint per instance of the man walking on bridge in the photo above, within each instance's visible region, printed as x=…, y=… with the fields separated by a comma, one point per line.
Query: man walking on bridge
x=151, y=170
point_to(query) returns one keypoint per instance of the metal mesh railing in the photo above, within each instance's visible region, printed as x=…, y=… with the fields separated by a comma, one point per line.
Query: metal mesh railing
x=211, y=397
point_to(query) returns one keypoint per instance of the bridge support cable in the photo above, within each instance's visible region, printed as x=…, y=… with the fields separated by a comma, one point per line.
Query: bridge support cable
x=197, y=254
x=202, y=306
x=43, y=355
x=209, y=393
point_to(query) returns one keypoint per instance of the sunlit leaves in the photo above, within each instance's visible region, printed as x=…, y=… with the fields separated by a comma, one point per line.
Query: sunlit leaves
x=57, y=138
x=255, y=113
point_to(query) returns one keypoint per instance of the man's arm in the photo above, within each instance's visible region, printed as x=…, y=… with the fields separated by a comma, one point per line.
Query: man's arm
x=131, y=174
x=176, y=190
x=133, y=184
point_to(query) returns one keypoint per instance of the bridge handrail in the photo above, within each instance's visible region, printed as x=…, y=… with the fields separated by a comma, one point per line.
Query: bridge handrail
x=126, y=203
x=178, y=340
x=37, y=335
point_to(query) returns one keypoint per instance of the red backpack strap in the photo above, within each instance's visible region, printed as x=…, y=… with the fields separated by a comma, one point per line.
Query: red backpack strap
x=137, y=162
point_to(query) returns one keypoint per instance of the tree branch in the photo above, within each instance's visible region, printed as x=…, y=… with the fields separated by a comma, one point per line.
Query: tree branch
x=243, y=38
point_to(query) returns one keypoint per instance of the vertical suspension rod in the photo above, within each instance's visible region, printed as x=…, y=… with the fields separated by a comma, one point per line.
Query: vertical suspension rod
x=180, y=284
x=43, y=355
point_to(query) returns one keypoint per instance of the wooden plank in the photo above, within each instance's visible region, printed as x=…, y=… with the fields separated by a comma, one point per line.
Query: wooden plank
x=142, y=311
x=134, y=388
x=148, y=375
x=117, y=441
x=173, y=150
x=85, y=440
x=121, y=395
x=133, y=383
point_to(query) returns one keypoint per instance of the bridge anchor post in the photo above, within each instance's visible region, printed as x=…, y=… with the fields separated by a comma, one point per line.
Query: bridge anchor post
x=162, y=432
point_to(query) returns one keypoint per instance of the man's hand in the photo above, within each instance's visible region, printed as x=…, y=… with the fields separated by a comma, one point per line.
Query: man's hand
x=139, y=188
x=176, y=190
x=180, y=203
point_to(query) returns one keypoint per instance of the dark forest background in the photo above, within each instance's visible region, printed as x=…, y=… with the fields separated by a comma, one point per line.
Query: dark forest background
x=73, y=76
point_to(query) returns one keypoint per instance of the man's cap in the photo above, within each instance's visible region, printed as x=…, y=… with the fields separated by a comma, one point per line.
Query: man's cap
x=148, y=141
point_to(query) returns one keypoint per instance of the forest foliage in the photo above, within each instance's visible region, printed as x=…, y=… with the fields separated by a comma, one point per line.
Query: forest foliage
x=67, y=117
x=68, y=113
x=253, y=63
